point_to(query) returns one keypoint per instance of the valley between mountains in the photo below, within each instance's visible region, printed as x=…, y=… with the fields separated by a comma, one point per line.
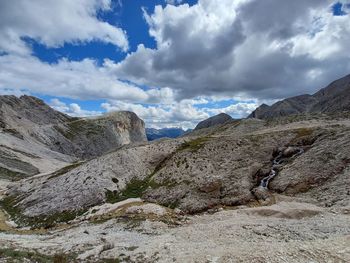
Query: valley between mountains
x=271, y=188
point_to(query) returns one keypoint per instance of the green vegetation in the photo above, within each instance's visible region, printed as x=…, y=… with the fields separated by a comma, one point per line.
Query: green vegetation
x=109, y=260
x=302, y=132
x=80, y=127
x=65, y=169
x=303, y=136
x=12, y=255
x=11, y=175
x=9, y=204
x=137, y=187
x=132, y=248
x=193, y=145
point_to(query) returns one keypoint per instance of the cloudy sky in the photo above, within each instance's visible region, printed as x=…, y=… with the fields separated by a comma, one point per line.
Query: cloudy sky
x=173, y=62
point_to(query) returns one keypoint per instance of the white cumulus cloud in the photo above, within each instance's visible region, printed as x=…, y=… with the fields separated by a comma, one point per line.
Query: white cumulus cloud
x=242, y=48
x=72, y=109
x=53, y=23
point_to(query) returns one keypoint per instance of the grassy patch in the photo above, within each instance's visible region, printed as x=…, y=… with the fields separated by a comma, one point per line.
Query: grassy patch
x=109, y=260
x=173, y=204
x=11, y=175
x=303, y=136
x=193, y=145
x=80, y=127
x=302, y=132
x=9, y=204
x=137, y=187
x=65, y=169
x=13, y=255
x=132, y=248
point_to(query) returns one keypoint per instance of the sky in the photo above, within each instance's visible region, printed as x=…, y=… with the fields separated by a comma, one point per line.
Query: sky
x=172, y=62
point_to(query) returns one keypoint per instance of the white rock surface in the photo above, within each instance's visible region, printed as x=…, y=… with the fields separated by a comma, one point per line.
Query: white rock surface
x=147, y=209
x=243, y=235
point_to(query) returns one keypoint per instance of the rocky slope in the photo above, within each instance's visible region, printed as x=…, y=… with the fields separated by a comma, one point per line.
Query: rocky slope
x=214, y=121
x=35, y=138
x=194, y=174
x=289, y=231
x=333, y=98
x=301, y=216
x=136, y=202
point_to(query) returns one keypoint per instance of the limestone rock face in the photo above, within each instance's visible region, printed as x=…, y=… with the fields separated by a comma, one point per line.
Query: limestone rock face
x=91, y=137
x=194, y=174
x=36, y=138
x=214, y=121
x=333, y=98
x=94, y=182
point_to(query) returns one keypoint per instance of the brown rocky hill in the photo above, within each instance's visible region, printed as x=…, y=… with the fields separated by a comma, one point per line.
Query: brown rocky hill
x=333, y=98
x=214, y=121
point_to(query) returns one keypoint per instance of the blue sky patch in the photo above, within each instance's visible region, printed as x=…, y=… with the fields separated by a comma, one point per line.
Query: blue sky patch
x=338, y=9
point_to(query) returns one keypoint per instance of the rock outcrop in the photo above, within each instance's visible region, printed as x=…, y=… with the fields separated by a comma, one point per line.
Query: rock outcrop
x=309, y=216
x=35, y=138
x=195, y=174
x=92, y=137
x=333, y=98
x=219, y=119
x=225, y=163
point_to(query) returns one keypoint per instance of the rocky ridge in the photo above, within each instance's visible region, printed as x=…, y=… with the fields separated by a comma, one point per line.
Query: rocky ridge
x=229, y=191
x=333, y=98
x=196, y=174
x=35, y=138
x=216, y=120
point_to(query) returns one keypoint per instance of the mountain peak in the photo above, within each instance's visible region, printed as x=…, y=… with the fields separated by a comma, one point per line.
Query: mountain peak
x=333, y=98
x=214, y=121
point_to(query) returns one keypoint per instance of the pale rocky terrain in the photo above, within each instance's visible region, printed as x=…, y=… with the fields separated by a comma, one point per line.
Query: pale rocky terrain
x=289, y=231
x=303, y=216
x=245, y=190
x=35, y=138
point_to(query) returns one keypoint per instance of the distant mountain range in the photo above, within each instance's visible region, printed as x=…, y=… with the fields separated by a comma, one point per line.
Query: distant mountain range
x=333, y=98
x=154, y=134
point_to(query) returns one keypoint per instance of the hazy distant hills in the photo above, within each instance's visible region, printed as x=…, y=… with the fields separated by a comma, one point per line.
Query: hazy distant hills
x=154, y=134
x=333, y=98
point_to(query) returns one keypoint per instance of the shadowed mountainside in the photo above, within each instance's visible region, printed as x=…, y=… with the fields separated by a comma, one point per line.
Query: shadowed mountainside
x=214, y=121
x=333, y=98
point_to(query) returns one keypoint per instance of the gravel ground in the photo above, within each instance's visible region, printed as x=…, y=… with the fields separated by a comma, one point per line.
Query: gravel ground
x=289, y=231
